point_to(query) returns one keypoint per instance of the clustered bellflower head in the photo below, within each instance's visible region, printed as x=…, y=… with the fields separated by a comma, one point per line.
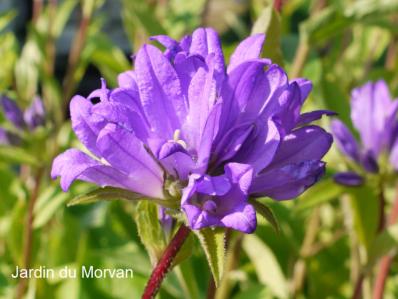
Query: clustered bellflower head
x=184, y=127
x=29, y=120
x=374, y=116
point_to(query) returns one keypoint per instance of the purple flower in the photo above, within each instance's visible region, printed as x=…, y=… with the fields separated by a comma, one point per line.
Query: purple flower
x=184, y=126
x=31, y=118
x=373, y=113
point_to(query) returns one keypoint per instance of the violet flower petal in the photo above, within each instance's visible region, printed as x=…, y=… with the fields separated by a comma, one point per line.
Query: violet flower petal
x=249, y=48
x=34, y=116
x=12, y=112
x=125, y=152
x=305, y=87
x=160, y=91
x=260, y=147
x=84, y=124
x=76, y=165
x=373, y=114
x=345, y=141
x=288, y=181
x=348, y=179
x=309, y=117
x=205, y=41
x=305, y=143
x=220, y=201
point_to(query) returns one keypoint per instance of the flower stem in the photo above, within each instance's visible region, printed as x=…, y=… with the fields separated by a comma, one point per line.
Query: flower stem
x=358, y=287
x=385, y=263
x=74, y=57
x=299, y=271
x=28, y=235
x=165, y=262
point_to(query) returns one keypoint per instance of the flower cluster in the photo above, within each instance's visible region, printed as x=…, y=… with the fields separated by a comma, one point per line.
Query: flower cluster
x=374, y=115
x=184, y=126
x=30, y=119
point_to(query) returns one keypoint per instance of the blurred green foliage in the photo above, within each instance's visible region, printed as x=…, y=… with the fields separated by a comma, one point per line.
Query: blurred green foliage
x=326, y=237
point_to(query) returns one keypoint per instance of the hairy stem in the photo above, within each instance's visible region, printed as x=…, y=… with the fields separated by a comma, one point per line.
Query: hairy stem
x=28, y=235
x=165, y=262
x=231, y=263
x=385, y=263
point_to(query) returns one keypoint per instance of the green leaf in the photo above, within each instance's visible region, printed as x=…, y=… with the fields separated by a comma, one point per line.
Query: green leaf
x=267, y=213
x=383, y=244
x=17, y=155
x=107, y=193
x=47, y=211
x=149, y=229
x=213, y=243
x=268, y=270
x=140, y=21
x=269, y=23
x=322, y=192
x=9, y=54
x=6, y=17
x=109, y=59
x=365, y=206
x=62, y=16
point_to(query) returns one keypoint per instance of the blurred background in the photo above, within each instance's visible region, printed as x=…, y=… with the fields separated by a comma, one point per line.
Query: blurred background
x=51, y=50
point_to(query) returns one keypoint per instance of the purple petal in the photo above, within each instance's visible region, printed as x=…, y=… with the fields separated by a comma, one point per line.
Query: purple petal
x=84, y=124
x=373, y=114
x=209, y=134
x=4, y=140
x=125, y=152
x=8, y=138
x=127, y=79
x=160, y=91
x=369, y=162
x=186, y=67
x=220, y=201
x=250, y=93
x=171, y=45
x=113, y=112
x=288, y=181
x=231, y=142
x=394, y=155
x=12, y=112
x=201, y=98
x=348, y=179
x=169, y=148
x=34, y=116
x=76, y=165
x=249, y=48
x=309, y=117
x=165, y=220
x=101, y=93
x=260, y=147
x=289, y=114
x=345, y=141
x=305, y=87
x=306, y=143
x=243, y=219
x=206, y=41
x=178, y=164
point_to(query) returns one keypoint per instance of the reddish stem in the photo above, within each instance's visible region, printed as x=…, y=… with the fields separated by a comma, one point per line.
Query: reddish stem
x=385, y=263
x=165, y=262
x=28, y=235
x=278, y=5
x=358, y=287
